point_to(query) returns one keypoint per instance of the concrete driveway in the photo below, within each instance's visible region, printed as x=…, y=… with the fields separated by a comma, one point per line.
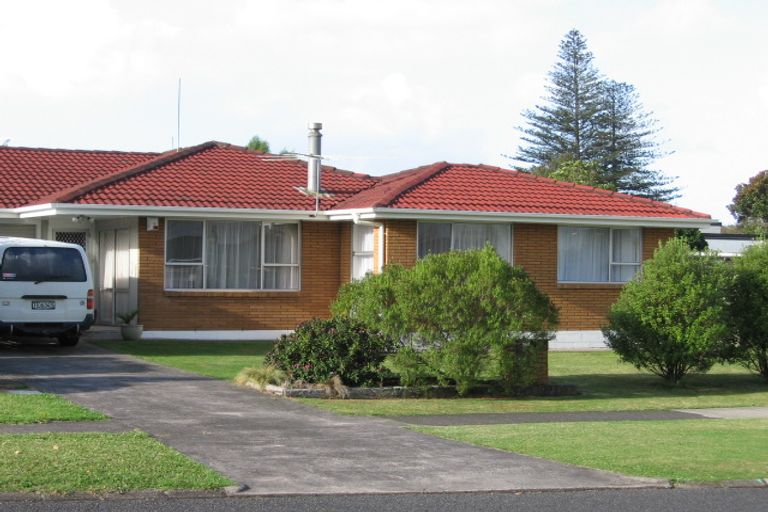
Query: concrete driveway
x=275, y=446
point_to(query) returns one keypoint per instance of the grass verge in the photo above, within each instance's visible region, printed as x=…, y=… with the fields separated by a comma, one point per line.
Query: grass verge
x=687, y=450
x=97, y=462
x=606, y=385
x=219, y=359
x=42, y=408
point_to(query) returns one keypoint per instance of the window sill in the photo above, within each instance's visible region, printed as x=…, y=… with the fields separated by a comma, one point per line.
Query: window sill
x=234, y=294
x=588, y=286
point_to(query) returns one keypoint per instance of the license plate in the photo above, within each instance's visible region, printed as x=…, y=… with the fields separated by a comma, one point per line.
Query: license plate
x=43, y=304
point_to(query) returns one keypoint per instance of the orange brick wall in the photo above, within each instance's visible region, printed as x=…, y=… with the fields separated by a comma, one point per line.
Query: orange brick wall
x=400, y=242
x=345, y=252
x=582, y=306
x=321, y=271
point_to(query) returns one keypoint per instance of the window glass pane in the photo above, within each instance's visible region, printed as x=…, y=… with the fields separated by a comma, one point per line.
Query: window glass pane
x=184, y=242
x=626, y=245
x=361, y=265
x=232, y=255
x=42, y=264
x=500, y=237
x=475, y=236
x=183, y=276
x=434, y=238
x=582, y=254
x=362, y=238
x=281, y=278
x=623, y=273
x=281, y=243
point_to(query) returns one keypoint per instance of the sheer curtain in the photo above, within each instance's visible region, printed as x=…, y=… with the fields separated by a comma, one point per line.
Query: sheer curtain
x=362, y=250
x=475, y=236
x=434, y=238
x=582, y=254
x=626, y=254
x=184, y=254
x=233, y=251
x=281, y=256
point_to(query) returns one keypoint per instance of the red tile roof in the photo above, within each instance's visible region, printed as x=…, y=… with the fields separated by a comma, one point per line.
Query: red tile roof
x=216, y=175
x=27, y=174
x=480, y=188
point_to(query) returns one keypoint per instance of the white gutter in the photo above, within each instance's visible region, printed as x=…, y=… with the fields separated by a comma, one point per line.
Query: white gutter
x=7, y=213
x=100, y=210
x=374, y=214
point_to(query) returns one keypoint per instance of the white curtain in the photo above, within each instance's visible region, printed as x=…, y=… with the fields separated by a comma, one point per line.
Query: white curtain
x=582, y=254
x=232, y=255
x=362, y=250
x=183, y=276
x=184, y=248
x=626, y=254
x=281, y=257
x=434, y=238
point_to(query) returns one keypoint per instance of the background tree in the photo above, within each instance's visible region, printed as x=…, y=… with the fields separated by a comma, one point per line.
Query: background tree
x=693, y=237
x=594, y=120
x=750, y=205
x=574, y=171
x=564, y=127
x=258, y=144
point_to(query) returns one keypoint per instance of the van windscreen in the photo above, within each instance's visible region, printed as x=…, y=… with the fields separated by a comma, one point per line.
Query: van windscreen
x=42, y=264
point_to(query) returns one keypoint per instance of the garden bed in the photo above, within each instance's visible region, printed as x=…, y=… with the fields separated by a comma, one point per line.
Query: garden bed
x=322, y=391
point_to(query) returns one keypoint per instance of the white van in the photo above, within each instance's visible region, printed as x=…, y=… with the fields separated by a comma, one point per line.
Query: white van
x=46, y=289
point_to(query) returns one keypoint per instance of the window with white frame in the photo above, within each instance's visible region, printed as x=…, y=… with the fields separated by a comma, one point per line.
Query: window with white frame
x=437, y=237
x=598, y=255
x=231, y=255
x=362, y=250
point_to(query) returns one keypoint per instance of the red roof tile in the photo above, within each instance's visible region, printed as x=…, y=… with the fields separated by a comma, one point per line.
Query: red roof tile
x=215, y=175
x=481, y=188
x=28, y=174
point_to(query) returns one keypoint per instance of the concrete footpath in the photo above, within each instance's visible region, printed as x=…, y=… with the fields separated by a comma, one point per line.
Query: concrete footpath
x=276, y=446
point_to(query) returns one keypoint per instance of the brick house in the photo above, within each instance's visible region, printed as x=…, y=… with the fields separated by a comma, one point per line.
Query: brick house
x=216, y=241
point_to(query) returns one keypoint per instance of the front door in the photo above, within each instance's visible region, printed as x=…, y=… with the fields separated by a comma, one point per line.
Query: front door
x=114, y=282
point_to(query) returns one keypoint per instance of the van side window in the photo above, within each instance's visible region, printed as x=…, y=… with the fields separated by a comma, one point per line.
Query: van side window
x=42, y=264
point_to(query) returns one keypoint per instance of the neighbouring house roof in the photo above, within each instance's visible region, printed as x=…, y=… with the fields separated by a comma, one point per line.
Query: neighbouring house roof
x=481, y=188
x=223, y=176
x=28, y=174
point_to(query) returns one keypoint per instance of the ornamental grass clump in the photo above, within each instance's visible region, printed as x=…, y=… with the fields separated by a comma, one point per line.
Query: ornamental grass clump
x=458, y=317
x=672, y=318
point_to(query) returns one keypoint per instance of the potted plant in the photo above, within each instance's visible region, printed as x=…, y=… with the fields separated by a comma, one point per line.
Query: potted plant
x=130, y=330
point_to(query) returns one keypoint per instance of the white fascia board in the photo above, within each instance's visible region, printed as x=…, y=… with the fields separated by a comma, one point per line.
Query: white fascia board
x=6, y=213
x=98, y=210
x=371, y=214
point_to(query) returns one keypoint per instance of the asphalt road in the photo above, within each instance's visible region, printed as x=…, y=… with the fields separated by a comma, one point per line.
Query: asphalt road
x=632, y=500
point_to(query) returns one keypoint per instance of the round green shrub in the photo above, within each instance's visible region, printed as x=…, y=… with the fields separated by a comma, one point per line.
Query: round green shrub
x=319, y=349
x=672, y=319
x=749, y=310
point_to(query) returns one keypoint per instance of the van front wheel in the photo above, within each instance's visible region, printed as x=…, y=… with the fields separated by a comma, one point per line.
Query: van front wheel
x=69, y=339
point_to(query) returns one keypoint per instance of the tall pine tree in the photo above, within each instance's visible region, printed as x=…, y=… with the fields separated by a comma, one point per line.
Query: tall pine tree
x=590, y=120
x=564, y=127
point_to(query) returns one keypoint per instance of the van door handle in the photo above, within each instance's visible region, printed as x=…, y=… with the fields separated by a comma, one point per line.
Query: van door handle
x=43, y=296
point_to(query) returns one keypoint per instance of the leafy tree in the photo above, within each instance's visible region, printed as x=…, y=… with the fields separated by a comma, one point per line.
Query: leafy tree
x=575, y=171
x=673, y=318
x=456, y=314
x=693, y=237
x=750, y=205
x=593, y=120
x=565, y=126
x=749, y=309
x=258, y=144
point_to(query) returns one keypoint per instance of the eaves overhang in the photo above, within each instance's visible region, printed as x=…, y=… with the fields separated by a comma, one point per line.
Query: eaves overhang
x=99, y=210
x=374, y=214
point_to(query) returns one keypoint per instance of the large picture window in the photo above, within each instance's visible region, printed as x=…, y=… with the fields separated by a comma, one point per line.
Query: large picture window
x=598, y=255
x=231, y=255
x=437, y=237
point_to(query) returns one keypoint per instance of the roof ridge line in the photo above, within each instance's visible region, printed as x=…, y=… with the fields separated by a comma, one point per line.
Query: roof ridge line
x=71, y=193
x=411, y=181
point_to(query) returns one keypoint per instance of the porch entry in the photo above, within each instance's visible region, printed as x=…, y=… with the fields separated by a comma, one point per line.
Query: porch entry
x=114, y=274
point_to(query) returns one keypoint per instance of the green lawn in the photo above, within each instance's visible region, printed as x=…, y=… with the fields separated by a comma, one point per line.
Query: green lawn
x=219, y=359
x=605, y=383
x=688, y=450
x=42, y=408
x=59, y=463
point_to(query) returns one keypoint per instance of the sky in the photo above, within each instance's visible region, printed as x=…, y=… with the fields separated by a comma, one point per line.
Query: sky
x=396, y=83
